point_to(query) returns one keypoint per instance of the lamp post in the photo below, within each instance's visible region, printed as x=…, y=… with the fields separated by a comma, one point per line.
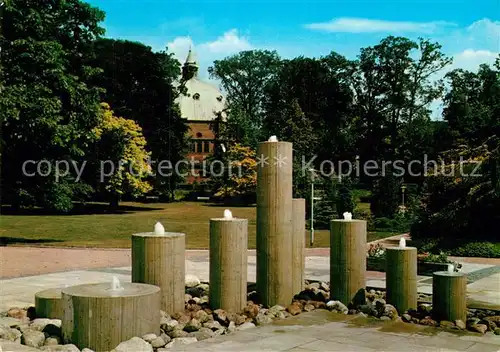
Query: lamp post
x=311, y=239
x=403, y=189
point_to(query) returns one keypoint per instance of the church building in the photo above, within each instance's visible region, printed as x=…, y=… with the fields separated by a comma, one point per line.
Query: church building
x=201, y=105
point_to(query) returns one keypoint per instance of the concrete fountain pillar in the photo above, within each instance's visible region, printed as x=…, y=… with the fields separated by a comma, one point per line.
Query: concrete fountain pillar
x=228, y=263
x=274, y=222
x=159, y=258
x=401, y=276
x=347, y=258
x=298, y=244
x=449, y=295
x=100, y=316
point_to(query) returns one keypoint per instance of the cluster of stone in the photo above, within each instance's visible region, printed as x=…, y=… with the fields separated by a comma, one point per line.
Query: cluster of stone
x=198, y=322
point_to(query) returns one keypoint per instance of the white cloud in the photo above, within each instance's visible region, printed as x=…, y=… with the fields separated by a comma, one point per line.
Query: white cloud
x=206, y=52
x=229, y=43
x=471, y=59
x=180, y=47
x=364, y=25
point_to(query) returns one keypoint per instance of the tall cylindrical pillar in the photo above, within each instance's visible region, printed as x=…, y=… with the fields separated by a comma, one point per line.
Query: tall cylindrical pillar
x=228, y=264
x=274, y=222
x=347, y=259
x=161, y=260
x=449, y=296
x=401, y=278
x=298, y=244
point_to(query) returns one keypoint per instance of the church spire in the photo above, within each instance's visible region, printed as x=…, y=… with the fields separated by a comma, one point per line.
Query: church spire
x=190, y=67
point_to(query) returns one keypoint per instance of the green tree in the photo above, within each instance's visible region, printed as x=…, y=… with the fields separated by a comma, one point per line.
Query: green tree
x=141, y=85
x=244, y=78
x=48, y=105
x=472, y=104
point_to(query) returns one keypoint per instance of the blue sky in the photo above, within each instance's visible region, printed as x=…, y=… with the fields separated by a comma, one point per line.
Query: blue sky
x=468, y=30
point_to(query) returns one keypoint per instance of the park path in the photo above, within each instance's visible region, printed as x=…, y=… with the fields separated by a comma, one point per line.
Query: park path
x=28, y=261
x=20, y=261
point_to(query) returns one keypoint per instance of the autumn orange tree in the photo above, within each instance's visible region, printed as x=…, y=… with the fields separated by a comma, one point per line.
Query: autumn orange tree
x=121, y=148
x=238, y=181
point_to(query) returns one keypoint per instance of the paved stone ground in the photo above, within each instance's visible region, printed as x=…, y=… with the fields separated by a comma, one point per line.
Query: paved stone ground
x=20, y=291
x=325, y=331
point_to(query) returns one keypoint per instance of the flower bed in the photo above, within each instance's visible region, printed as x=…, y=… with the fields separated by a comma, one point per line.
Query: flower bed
x=426, y=263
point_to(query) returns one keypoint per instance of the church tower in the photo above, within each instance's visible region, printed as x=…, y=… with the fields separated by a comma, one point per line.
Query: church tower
x=190, y=67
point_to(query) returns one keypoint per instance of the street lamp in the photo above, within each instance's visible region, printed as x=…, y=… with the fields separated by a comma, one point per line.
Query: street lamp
x=313, y=198
x=403, y=189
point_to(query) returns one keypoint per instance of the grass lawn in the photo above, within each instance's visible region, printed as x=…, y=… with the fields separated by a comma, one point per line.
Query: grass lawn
x=113, y=230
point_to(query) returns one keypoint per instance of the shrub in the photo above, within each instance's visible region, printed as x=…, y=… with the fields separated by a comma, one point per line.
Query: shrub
x=477, y=249
x=386, y=197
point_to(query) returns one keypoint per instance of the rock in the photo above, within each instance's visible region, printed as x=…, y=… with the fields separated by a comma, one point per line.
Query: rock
x=251, y=310
x=10, y=322
x=424, y=308
x=52, y=340
x=274, y=310
x=33, y=338
x=149, y=337
x=359, y=298
x=202, y=316
x=460, y=324
x=497, y=331
x=321, y=296
x=87, y=350
x=231, y=327
x=205, y=288
x=180, y=341
x=324, y=286
x=193, y=325
x=385, y=318
x=17, y=313
x=313, y=285
x=406, y=318
x=10, y=334
x=176, y=333
x=135, y=344
x=446, y=324
x=182, y=318
x=60, y=348
x=367, y=309
x=220, y=315
x=202, y=334
x=337, y=306
x=40, y=323
x=262, y=319
x=472, y=321
x=245, y=326
x=158, y=342
x=494, y=319
x=52, y=330
x=165, y=338
x=390, y=311
x=240, y=319
x=194, y=292
x=480, y=328
x=379, y=305
x=187, y=297
x=490, y=324
x=212, y=325
x=204, y=299
x=170, y=325
x=294, y=308
x=428, y=321
x=308, y=308
x=192, y=281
